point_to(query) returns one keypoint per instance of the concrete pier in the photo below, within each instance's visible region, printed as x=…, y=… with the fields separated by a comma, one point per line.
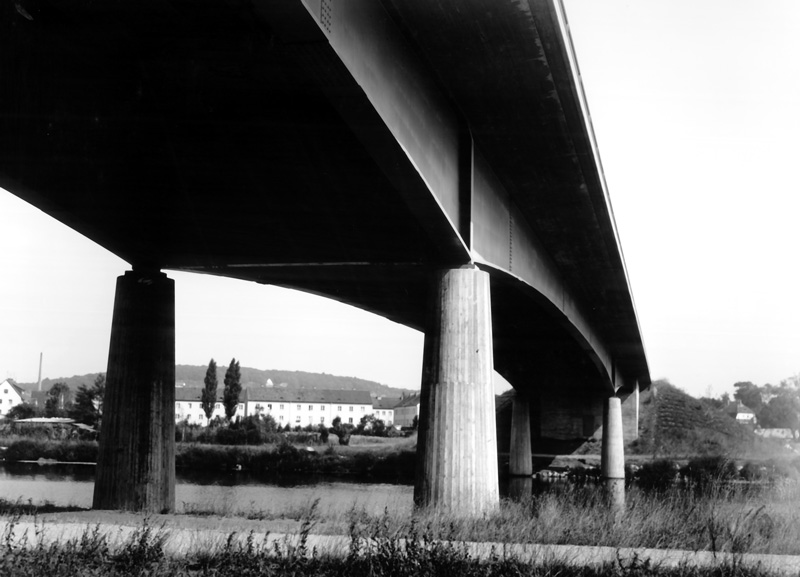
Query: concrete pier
x=136, y=460
x=457, y=448
x=520, y=462
x=612, y=464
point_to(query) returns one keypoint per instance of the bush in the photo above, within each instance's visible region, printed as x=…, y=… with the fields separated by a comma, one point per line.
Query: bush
x=704, y=471
x=657, y=475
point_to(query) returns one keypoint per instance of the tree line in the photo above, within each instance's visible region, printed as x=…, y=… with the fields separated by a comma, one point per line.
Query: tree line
x=775, y=406
x=85, y=406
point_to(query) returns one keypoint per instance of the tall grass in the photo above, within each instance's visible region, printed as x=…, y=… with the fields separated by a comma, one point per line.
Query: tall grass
x=378, y=551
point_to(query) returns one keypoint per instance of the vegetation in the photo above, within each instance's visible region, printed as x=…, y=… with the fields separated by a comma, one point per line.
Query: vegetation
x=209, y=394
x=58, y=401
x=774, y=406
x=233, y=388
x=374, y=550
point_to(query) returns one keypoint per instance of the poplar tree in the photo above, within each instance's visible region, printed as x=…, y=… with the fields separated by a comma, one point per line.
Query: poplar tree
x=233, y=387
x=209, y=395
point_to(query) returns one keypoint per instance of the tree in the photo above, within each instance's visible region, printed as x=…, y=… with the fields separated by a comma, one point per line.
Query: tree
x=23, y=411
x=233, y=387
x=99, y=391
x=85, y=408
x=58, y=400
x=209, y=395
x=748, y=394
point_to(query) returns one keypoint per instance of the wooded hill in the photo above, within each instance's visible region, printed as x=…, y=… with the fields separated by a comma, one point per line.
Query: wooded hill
x=193, y=375
x=673, y=423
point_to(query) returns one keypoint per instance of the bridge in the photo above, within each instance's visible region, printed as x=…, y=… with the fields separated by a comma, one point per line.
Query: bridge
x=432, y=162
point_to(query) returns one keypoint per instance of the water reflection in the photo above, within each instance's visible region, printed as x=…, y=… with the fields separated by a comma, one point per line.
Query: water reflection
x=234, y=493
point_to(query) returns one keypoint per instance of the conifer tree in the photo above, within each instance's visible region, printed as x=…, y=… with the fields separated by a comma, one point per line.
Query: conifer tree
x=209, y=395
x=233, y=387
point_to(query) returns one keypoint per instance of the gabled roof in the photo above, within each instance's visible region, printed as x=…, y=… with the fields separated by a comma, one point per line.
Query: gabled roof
x=19, y=390
x=192, y=394
x=308, y=396
x=409, y=401
x=385, y=403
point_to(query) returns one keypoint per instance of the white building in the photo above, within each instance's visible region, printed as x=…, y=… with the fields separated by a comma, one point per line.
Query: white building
x=11, y=395
x=406, y=410
x=189, y=407
x=308, y=407
x=383, y=409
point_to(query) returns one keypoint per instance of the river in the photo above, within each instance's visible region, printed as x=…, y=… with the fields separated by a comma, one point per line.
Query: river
x=234, y=493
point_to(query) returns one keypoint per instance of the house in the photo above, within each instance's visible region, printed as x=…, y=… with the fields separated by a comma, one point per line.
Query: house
x=383, y=409
x=300, y=407
x=406, y=410
x=189, y=407
x=742, y=413
x=11, y=395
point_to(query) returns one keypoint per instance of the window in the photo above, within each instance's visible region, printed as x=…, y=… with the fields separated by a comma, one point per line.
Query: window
x=297, y=419
x=322, y=419
x=339, y=408
x=269, y=406
x=351, y=410
x=5, y=391
x=362, y=409
x=190, y=405
x=298, y=407
x=258, y=407
x=216, y=406
x=281, y=407
x=350, y=420
x=280, y=417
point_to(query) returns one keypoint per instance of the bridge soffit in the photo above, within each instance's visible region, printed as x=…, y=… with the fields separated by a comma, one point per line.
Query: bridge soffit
x=435, y=140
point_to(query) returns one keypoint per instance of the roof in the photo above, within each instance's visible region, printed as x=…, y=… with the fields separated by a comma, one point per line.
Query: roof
x=309, y=396
x=409, y=401
x=19, y=390
x=193, y=394
x=385, y=403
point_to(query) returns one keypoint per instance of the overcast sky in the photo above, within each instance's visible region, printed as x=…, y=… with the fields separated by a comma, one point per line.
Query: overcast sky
x=695, y=108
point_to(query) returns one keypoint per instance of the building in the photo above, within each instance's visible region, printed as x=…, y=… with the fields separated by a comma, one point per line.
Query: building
x=11, y=395
x=301, y=407
x=406, y=410
x=188, y=406
x=383, y=409
x=742, y=413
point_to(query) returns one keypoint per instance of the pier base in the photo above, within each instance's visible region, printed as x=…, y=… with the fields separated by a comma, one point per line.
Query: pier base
x=457, y=448
x=136, y=459
x=520, y=462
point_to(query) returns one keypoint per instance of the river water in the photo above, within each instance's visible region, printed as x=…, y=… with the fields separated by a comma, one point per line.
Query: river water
x=235, y=493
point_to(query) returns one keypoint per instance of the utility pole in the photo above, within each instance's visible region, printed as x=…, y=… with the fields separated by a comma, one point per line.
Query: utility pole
x=40, y=370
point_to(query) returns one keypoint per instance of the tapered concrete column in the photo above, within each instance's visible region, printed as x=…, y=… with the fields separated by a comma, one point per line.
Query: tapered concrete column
x=456, y=447
x=136, y=460
x=612, y=463
x=520, y=461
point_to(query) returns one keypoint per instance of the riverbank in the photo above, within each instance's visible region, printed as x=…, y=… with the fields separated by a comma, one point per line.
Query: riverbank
x=368, y=457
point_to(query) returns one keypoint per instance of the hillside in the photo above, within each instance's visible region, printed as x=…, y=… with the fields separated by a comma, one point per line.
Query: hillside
x=192, y=376
x=673, y=423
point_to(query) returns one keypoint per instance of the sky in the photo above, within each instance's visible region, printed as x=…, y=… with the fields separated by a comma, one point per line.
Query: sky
x=696, y=110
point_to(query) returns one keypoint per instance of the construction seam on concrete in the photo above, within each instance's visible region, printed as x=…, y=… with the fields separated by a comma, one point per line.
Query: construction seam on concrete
x=180, y=542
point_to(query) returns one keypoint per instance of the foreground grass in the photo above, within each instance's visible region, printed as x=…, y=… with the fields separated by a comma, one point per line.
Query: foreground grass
x=718, y=518
x=375, y=550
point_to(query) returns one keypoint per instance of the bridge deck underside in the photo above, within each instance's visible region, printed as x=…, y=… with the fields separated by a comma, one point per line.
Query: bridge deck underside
x=190, y=136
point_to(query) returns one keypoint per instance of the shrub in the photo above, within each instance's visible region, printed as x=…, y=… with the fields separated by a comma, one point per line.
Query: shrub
x=704, y=471
x=657, y=475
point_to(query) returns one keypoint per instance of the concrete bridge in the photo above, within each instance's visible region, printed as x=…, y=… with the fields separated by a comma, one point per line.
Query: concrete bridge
x=432, y=162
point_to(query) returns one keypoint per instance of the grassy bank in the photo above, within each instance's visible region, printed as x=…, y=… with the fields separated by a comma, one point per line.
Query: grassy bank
x=377, y=550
